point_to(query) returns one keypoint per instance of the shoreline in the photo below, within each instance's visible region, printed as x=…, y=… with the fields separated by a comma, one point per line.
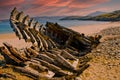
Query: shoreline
x=12, y=39
x=7, y=35
x=94, y=28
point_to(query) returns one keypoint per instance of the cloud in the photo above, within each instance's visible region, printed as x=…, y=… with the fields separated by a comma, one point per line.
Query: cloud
x=85, y=3
x=48, y=7
x=69, y=3
x=10, y=2
x=45, y=7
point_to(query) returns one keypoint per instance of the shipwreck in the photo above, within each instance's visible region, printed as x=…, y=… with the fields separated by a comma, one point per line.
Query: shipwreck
x=57, y=53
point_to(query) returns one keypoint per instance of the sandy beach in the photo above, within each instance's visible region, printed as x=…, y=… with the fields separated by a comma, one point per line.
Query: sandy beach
x=99, y=65
x=90, y=29
x=87, y=29
x=13, y=40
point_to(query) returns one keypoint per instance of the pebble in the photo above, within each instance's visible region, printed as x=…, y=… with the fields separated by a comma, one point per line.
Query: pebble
x=110, y=47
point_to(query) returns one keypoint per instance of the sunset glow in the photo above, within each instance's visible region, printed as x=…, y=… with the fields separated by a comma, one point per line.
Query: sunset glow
x=57, y=7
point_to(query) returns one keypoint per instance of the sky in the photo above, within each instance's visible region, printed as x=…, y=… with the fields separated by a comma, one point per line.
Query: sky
x=57, y=7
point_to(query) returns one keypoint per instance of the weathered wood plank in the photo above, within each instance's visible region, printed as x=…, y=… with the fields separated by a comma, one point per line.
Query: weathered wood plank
x=27, y=72
x=53, y=68
x=15, y=53
x=67, y=55
x=10, y=59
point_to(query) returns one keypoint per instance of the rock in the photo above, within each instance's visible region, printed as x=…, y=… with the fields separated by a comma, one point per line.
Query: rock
x=98, y=50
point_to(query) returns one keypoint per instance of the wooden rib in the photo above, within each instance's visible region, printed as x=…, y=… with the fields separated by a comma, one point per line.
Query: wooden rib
x=50, y=46
x=15, y=53
x=33, y=40
x=67, y=55
x=45, y=44
x=34, y=34
x=53, y=43
x=50, y=54
x=28, y=37
x=26, y=20
x=72, y=52
x=31, y=23
x=64, y=62
x=53, y=68
x=33, y=52
x=20, y=16
x=24, y=34
x=81, y=69
x=36, y=25
x=41, y=29
x=41, y=44
x=16, y=30
x=27, y=54
x=45, y=58
x=27, y=72
x=37, y=67
x=14, y=14
x=38, y=39
x=10, y=59
x=55, y=52
x=47, y=39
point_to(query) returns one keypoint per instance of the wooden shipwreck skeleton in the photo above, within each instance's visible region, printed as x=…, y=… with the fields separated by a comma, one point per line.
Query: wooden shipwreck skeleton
x=56, y=51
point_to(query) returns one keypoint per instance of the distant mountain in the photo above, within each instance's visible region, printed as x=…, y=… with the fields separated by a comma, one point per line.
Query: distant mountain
x=71, y=18
x=76, y=18
x=82, y=17
x=96, y=13
x=112, y=16
x=49, y=17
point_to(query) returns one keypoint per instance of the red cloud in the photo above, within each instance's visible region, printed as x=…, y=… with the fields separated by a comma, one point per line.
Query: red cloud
x=69, y=3
x=85, y=3
x=10, y=2
x=56, y=7
x=48, y=7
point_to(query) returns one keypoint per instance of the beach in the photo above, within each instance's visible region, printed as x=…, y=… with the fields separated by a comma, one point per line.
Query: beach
x=102, y=64
x=87, y=30
x=94, y=28
x=13, y=40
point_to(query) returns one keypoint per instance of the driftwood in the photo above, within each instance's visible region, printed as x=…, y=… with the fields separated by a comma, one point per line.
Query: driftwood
x=54, y=49
x=27, y=72
x=14, y=52
x=32, y=52
x=53, y=35
x=54, y=68
x=64, y=62
x=45, y=58
x=67, y=55
x=37, y=67
x=68, y=37
x=55, y=60
x=8, y=75
x=10, y=59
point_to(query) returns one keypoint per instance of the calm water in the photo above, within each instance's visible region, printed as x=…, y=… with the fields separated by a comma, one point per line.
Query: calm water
x=5, y=25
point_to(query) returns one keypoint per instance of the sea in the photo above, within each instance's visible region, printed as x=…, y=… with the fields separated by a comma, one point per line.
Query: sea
x=6, y=28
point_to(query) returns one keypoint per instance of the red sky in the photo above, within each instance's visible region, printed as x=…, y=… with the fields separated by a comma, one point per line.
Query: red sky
x=57, y=7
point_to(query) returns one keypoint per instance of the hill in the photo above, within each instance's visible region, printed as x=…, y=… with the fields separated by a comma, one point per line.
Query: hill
x=112, y=16
x=76, y=18
x=96, y=13
x=71, y=18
